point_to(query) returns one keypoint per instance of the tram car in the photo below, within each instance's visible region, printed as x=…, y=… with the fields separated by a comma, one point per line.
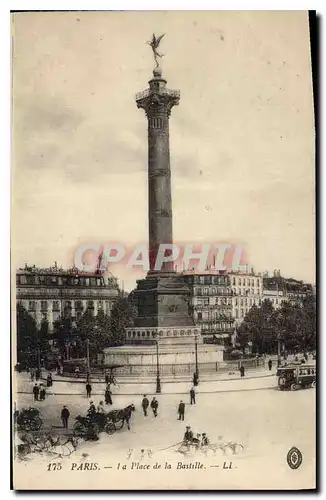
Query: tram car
x=294, y=377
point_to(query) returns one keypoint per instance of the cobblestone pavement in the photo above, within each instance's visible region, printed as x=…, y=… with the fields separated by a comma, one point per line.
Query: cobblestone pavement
x=267, y=422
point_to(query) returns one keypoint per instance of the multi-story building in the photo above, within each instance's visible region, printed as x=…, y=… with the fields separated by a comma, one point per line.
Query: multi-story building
x=211, y=303
x=247, y=290
x=279, y=289
x=48, y=294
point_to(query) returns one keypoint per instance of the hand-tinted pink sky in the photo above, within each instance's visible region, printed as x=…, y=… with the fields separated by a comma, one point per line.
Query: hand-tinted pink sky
x=242, y=138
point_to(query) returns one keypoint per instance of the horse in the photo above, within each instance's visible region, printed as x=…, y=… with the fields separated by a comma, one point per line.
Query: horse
x=122, y=416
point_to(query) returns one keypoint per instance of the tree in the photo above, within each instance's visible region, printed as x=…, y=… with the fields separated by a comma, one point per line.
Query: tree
x=63, y=332
x=257, y=327
x=27, y=338
x=122, y=315
x=293, y=325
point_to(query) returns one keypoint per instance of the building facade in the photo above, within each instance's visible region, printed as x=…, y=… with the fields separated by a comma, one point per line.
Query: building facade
x=48, y=294
x=247, y=290
x=279, y=289
x=211, y=304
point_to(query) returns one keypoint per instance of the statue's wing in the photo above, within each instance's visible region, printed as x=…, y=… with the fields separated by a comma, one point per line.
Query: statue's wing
x=154, y=39
x=160, y=38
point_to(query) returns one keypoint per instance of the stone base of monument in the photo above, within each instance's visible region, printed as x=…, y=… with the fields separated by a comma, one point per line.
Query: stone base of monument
x=176, y=356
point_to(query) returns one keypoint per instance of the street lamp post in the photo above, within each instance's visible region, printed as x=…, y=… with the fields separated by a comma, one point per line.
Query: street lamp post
x=87, y=354
x=196, y=357
x=158, y=381
x=278, y=350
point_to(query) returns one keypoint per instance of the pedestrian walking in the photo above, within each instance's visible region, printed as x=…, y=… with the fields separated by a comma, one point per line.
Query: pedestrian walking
x=107, y=378
x=192, y=396
x=32, y=375
x=65, y=414
x=270, y=364
x=36, y=392
x=195, y=379
x=88, y=390
x=242, y=371
x=49, y=381
x=145, y=405
x=107, y=395
x=42, y=392
x=181, y=410
x=154, y=406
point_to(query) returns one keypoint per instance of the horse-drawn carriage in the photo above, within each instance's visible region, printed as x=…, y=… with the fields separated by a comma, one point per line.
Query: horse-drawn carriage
x=193, y=446
x=27, y=419
x=95, y=422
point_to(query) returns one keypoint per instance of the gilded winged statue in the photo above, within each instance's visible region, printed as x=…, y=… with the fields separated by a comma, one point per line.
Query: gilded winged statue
x=154, y=43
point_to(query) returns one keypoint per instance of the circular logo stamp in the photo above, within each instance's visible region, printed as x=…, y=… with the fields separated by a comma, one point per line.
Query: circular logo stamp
x=294, y=458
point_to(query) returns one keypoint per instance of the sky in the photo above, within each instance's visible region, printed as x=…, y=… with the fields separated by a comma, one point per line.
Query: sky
x=241, y=139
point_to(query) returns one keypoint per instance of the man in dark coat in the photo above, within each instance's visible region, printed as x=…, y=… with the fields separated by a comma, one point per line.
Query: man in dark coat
x=145, y=405
x=154, y=406
x=270, y=364
x=88, y=390
x=242, y=371
x=192, y=396
x=49, y=381
x=65, y=414
x=36, y=392
x=107, y=395
x=181, y=410
x=42, y=392
x=91, y=412
x=188, y=436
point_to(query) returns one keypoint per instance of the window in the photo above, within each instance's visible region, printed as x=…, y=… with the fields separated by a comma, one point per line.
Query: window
x=241, y=313
x=67, y=304
x=213, y=291
x=44, y=305
x=200, y=316
x=100, y=304
x=56, y=306
x=32, y=305
x=206, y=291
x=78, y=305
x=90, y=304
x=233, y=282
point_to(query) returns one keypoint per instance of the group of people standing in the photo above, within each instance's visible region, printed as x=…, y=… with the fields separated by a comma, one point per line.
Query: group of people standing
x=107, y=393
x=145, y=404
x=39, y=392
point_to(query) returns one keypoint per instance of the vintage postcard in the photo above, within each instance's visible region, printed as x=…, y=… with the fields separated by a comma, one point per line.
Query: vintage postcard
x=163, y=251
